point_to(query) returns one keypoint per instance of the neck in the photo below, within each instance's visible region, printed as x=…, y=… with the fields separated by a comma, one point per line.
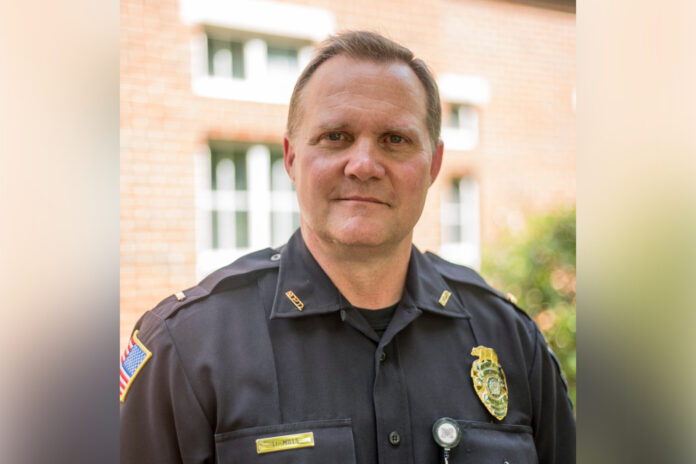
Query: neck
x=369, y=277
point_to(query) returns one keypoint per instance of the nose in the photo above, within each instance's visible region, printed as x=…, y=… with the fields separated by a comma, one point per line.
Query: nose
x=363, y=163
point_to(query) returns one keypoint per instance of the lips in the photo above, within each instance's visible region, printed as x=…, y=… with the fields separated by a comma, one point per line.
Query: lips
x=364, y=199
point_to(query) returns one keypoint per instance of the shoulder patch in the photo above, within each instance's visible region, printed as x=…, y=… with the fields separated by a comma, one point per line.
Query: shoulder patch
x=133, y=359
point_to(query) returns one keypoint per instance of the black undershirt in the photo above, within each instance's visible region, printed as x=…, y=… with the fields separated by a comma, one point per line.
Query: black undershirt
x=378, y=318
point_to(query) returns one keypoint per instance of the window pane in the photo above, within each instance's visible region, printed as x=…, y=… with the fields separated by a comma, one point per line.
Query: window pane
x=242, y=229
x=225, y=58
x=453, y=120
x=226, y=229
x=454, y=190
x=282, y=60
x=214, y=220
x=460, y=212
x=281, y=226
x=280, y=181
x=469, y=210
x=468, y=119
x=225, y=174
x=240, y=174
x=237, y=60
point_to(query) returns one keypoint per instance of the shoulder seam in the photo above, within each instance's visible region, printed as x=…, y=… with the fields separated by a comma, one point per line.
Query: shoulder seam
x=473, y=278
x=208, y=285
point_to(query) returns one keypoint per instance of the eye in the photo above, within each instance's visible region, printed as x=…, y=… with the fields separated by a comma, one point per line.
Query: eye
x=396, y=139
x=334, y=136
x=335, y=139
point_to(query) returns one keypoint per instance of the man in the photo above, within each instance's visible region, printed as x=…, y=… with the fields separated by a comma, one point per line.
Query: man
x=347, y=345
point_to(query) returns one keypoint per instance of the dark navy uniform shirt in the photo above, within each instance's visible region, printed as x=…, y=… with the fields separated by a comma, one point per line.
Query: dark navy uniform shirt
x=236, y=360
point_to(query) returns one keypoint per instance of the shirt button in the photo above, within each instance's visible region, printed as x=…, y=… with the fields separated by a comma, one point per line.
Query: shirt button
x=382, y=356
x=394, y=438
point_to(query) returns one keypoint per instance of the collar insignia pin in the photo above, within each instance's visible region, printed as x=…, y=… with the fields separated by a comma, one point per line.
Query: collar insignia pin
x=444, y=298
x=296, y=301
x=489, y=381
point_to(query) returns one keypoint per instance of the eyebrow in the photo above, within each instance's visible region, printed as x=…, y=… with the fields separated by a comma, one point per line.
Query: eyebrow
x=344, y=125
x=333, y=126
x=403, y=129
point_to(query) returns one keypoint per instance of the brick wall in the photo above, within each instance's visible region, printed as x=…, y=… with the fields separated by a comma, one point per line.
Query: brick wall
x=524, y=162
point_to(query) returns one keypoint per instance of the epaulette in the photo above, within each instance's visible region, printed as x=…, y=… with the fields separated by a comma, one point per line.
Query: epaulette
x=242, y=267
x=466, y=275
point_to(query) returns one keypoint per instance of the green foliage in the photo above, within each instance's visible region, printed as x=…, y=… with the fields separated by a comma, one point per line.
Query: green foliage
x=537, y=265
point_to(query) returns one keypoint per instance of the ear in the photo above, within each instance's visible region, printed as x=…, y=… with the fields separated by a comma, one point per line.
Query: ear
x=436, y=162
x=289, y=157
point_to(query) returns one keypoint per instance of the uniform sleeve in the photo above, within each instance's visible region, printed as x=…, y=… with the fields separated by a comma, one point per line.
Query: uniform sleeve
x=554, y=422
x=161, y=419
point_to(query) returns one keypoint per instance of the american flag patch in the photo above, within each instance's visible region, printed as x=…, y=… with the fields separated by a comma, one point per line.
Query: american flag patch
x=132, y=360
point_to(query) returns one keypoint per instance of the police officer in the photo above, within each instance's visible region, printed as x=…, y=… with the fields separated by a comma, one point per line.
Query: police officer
x=347, y=345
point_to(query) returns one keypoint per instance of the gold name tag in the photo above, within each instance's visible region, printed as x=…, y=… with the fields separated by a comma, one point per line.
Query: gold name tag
x=285, y=442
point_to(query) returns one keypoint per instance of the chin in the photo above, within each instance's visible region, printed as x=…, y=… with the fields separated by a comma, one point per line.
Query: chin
x=360, y=242
x=364, y=237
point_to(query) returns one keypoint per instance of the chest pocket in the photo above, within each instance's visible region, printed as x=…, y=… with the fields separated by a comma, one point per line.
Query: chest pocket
x=331, y=441
x=485, y=443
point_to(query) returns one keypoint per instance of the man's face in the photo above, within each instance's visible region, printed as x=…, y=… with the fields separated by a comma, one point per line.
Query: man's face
x=361, y=157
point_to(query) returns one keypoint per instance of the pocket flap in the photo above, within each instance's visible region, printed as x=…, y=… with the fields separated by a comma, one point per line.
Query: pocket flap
x=484, y=442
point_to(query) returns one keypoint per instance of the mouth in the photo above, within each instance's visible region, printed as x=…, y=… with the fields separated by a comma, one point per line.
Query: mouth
x=362, y=199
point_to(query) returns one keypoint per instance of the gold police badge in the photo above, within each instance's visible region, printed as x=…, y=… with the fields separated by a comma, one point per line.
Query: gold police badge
x=489, y=381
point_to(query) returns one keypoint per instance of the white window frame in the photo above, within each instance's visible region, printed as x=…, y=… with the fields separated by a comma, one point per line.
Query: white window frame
x=256, y=22
x=461, y=90
x=260, y=200
x=464, y=212
x=465, y=136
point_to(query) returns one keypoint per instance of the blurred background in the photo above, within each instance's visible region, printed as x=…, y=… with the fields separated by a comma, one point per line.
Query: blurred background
x=204, y=92
x=59, y=227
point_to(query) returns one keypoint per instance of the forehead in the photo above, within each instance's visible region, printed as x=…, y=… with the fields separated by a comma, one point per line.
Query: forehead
x=354, y=85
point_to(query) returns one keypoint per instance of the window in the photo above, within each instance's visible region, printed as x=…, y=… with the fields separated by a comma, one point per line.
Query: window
x=464, y=117
x=230, y=212
x=459, y=219
x=464, y=97
x=245, y=202
x=251, y=50
x=242, y=66
x=282, y=60
x=225, y=58
x=461, y=130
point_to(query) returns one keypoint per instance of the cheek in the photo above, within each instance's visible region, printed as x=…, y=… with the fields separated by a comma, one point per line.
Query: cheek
x=313, y=178
x=414, y=178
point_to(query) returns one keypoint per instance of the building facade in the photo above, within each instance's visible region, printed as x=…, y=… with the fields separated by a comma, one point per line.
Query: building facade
x=204, y=92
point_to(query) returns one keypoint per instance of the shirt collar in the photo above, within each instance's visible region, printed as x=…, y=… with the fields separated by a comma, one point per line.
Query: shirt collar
x=304, y=289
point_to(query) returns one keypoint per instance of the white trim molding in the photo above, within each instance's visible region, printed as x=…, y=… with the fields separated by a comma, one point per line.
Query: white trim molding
x=457, y=88
x=260, y=16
